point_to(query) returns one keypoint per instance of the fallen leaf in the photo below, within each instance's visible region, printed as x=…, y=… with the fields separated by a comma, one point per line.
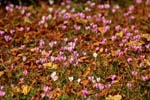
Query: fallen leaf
x=115, y=97
x=88, y=71
x=120, y=34
x=26, y=89
x=50, y=65
x=1, y=73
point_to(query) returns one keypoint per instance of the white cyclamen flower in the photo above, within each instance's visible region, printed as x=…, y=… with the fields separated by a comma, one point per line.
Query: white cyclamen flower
x=54, y=76
x=95, y=55
x=70, y=78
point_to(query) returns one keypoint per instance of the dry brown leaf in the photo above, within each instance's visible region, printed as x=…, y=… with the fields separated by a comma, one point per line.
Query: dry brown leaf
x=120, y=34
x=88, y=71
x=50, y=65
x=26, y=89
x=115, y=97
x=84, y=82
x=1, y=73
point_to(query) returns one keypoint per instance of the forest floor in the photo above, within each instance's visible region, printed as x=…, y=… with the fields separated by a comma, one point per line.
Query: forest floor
x=75, y=51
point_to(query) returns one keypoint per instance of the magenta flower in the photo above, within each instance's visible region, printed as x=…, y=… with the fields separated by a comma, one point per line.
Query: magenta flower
x=144, y=78
x=108, y=85
x=147, y=2
x=134, y=73
x=85, y=93
x=106, y=6
x=129, y=60
x=46, y=89
x=7, y=38
x=2, y=93
x=41, y=43
x=138, y=1
x=12, y=31
x=103, y=41
x=106, y=29
x=1, y=32
x=66, y=16
x=117, y=28
x=113, y=77
x=77, y=28
x=129, y=85
x=21, y=29
x=25, y=72
x=100, y=86
x=114, y=37
x=91, y=78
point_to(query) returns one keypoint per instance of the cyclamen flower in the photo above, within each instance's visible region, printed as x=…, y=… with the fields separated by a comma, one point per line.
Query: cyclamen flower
x=103, y=41
x=25, y=72
x=2, y=93
x=134, y=73
x=91, y=78
x=77, y=28
x=99, y=86
x=54, y=76
x=113, y=38
x=42, y=43
x=70, y=78
x=144, y=78
x=106, y=29
x=85, y=93
x=138, y=1
x=12, y=31
x=129, y=85
x=129, y=60
x=66, y=16
x=117, y=28
x=21, y=29
x=46, y=89
x=1, y=32
x=95, y=55
x=147, y=2
x=108, y=85
x=113, y=77
x=106, y=6
x=7, y=38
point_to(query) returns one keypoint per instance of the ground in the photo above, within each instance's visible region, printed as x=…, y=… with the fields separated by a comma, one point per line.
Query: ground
x=76, y=51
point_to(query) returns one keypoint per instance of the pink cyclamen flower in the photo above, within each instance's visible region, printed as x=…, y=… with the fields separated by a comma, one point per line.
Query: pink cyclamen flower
x=7, y=38
x=2, y=93
x=129, y=60
x=103, y=41
x=46, y=88
x=113, y=77
x=108, y=85
x=12, y=31
x=106, y=29
x=138, y=1
x=129, y=85
x=117, y=28
x=42, y=43
x=1, y=32
x=134, y=73
x=145, y=78
x=25, y=72
x=91, y=78
x=77, y=28
x=119, y=53
x=100, y=86
x=21, y=29
x=66, y=16
x=85, y=93
x=147, y=2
